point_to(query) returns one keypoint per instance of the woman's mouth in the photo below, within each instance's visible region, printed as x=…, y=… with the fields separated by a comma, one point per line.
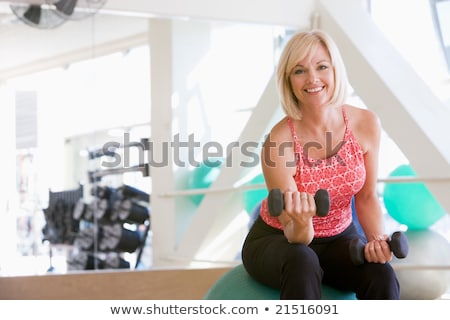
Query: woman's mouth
x=314, y=90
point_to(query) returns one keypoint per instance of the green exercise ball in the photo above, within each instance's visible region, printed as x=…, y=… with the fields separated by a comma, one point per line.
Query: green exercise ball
x=252, y=198
x=411, y=204
x=203, y=176
x=237, y=284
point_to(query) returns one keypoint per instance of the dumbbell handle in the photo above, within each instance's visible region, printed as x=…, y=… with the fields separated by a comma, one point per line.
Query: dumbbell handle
x=276, y=202
x=398, y=245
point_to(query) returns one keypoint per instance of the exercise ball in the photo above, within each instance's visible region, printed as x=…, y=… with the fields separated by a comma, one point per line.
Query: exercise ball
x=254, y=215
x=203, y=176
x=237, y=284
x=356, y=220
x=426, y=248
x=253, y=198
x=411, y=204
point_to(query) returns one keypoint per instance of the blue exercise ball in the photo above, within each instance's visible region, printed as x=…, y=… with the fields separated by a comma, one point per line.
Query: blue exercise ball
x=254, y=215
x=411, y=204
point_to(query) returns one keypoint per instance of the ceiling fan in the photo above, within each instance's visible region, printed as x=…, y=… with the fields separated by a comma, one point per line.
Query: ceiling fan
x=52, y=14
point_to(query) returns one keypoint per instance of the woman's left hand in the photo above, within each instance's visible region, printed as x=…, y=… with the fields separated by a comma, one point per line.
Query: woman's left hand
x=378, y=250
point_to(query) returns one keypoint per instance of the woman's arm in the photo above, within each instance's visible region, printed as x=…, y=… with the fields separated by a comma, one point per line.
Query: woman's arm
x=367, y=205
x=279, y=167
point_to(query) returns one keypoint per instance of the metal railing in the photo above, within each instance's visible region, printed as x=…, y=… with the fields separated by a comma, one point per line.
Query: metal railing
x=197, y=191
x=246, y=187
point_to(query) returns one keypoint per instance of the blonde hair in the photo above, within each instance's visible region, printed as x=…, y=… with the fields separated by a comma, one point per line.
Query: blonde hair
x=299, y=46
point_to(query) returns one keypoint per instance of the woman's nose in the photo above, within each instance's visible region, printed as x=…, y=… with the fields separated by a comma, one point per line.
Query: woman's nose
x=312, y=77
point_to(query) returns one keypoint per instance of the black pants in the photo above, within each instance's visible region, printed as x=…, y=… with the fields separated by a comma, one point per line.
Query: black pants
x=298, y=270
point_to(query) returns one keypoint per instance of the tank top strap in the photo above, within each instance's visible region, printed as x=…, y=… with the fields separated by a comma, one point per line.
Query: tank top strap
x=344, y=114
x=347, y=128
x=297, y=147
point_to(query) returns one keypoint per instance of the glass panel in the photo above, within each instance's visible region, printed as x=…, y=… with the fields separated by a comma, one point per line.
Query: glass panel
x=416, y=39
x=84, y=106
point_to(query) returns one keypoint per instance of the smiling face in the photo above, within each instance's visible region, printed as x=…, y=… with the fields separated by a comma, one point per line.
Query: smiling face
x=312, y=78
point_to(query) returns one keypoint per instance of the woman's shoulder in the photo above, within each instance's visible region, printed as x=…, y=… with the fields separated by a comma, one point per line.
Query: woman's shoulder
x=365, y=126
x=281, y=129
x=280, y=136
x=361, y=116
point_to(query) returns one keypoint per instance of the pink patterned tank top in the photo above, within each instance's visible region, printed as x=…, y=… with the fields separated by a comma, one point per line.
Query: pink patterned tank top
x=342, y=174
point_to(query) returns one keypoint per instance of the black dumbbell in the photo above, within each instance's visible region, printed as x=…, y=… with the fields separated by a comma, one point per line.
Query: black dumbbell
x=275, y=202
x=398, y=245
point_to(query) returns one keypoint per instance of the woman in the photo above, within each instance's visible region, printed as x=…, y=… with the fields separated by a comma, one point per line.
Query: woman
x=322, y=143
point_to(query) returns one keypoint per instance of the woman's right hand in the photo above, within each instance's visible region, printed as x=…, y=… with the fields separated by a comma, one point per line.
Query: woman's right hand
x=299, y=208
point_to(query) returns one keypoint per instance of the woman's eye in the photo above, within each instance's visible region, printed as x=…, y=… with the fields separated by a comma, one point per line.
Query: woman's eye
x=299, y=71
x=323, y=67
